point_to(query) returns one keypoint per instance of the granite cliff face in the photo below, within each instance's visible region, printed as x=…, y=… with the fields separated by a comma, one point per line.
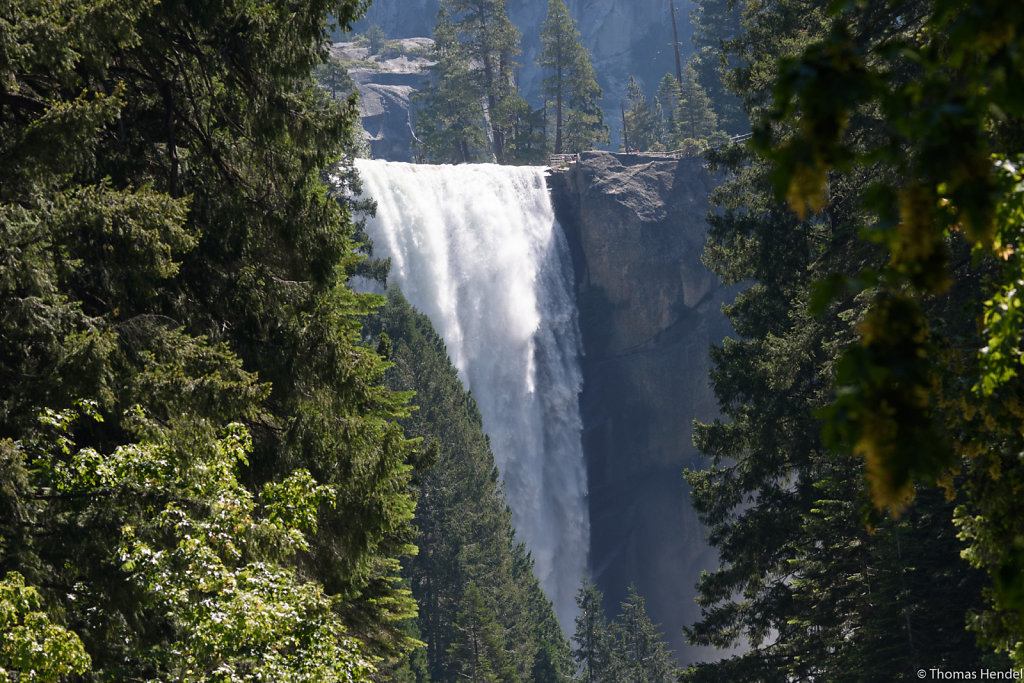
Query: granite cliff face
x=624, y=37
x=649, y=310
x=386, y=83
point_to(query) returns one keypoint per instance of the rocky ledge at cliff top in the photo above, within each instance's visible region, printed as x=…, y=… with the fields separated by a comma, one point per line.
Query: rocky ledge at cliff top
x=386, y=82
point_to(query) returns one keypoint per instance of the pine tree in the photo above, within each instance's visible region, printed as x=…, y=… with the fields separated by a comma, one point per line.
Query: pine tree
x=668, y=98
x=474, y=110
x=923, y=397
x=375, y=39
x=816, y=584
x=201, y=471
x=478, y=654
x=572, y=85
x=525, y=141
x=646, y=658
x=597, y=652
x=450, y=124
x=641, y=120
x=334, y=78
x=716, y=24
x=695, y=118
x=492, y=43
x=465, y=534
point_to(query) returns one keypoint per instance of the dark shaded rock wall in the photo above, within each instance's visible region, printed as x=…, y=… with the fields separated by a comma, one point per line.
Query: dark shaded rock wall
x=649, y=310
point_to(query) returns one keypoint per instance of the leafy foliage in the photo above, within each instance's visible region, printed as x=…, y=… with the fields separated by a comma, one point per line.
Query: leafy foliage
x=949, y=128
x=205, y=553
x=173, y=267
x=33, y=647
x=812, y=578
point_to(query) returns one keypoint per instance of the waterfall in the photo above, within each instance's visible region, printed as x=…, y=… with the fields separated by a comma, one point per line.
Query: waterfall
x=477, y=249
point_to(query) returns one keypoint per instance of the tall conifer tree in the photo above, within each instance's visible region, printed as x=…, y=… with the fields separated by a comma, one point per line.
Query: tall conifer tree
x=201, y=473
x=597, y=649
x=641, y=118
x=668, y=98
x=817, y=585
x=492, y=43
x=647, y=659
x=695, y=117
x=450, y=124
x=465, y=533
x=476, y=49
x=924, y=395
x=478, y=652
x=716, y=24
x=571, y=84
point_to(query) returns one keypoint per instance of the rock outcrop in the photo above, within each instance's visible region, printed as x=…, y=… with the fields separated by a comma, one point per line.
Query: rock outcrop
x=386, y=83
x=649, y=311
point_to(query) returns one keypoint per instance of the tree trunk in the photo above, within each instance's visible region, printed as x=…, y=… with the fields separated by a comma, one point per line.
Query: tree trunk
x=675, y=42
x=625, y=131
x=558, y=113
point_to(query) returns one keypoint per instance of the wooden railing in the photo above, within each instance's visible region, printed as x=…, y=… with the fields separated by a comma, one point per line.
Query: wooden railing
x=679, y=153
x=558, y=160
x=565, y=160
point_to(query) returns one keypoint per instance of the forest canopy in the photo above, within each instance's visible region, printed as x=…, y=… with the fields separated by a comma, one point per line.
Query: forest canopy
x=875, y=219
x=201, y=476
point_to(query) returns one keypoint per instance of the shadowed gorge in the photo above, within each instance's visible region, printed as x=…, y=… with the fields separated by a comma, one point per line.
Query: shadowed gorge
x=477, y=248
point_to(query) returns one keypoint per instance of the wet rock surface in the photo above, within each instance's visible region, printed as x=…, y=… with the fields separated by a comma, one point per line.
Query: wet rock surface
x=649, y=311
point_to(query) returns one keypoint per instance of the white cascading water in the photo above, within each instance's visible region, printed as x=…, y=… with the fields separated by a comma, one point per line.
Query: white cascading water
x=477, y=249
